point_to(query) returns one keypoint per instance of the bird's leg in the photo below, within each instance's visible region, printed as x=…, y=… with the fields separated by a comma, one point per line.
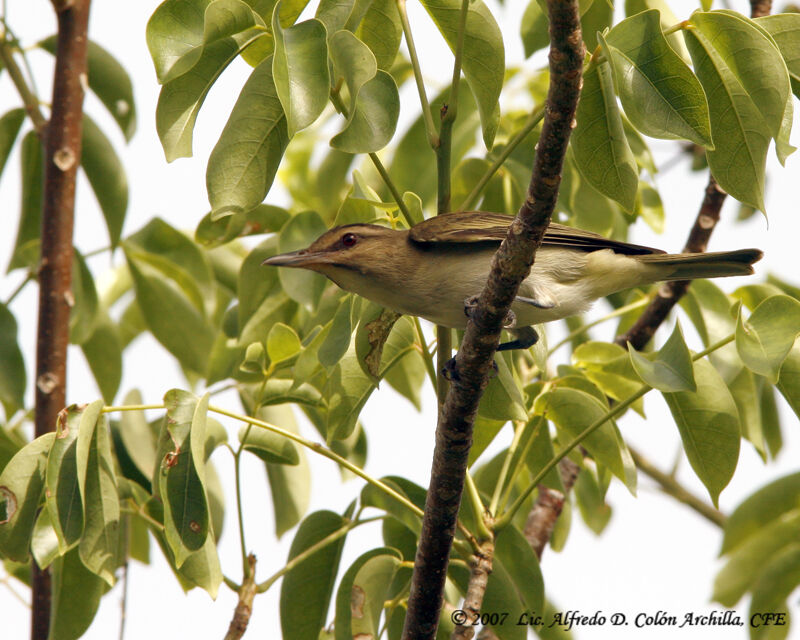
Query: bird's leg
x=526, y=337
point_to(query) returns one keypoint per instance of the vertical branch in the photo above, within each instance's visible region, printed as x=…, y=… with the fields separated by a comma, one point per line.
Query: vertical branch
x=62, y=157
x=510, y=266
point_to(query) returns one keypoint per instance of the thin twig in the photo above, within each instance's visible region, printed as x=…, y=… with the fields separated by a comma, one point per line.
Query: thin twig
x=29, y=99
x=244, y=608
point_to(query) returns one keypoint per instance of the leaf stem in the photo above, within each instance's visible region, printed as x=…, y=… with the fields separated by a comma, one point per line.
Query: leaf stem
x=530, y=124
x=503, y=477
x=427, y=356
x=19, y=288
x=310, y=551
x=336, y=100
x=474, y=496
x=29, y=99
x=430, y=127
x=611, y=413
x=614, y=314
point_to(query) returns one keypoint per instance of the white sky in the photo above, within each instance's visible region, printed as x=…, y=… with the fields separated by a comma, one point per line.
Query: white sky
x=654, y=555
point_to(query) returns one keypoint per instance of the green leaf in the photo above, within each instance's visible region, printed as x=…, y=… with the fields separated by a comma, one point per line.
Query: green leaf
x=269, y=446
x=106, y=176
x=172, y=317
x=264, y=218
x=589, y=497
x=775, y=584
x=202, y=568
x=84, y=312
x=789, y=378
x=573, y=411
x=746, y=391
x=502, y=596
x=44, y=541
x=382, y=31
x=63, y=499
x=518, y=559
x=708, y=422
x=659, y=93
x=26, y=246
x=300, y=71
x=224, y=18
x=668, y=370
x=334, y=14
x=10, y=124
x=181, y=473
x=502, y=399
x=12, y=373
x=710, y=311
x=290, y=485
x=339, y=336
x=110, y=82
x=99, y=545
x=244, y=161
x=746, y=99
x=299, y=284
x=372, y=496
x=348, y=388
x=256, y=281
x=784, y=29
x=103, y=352
x=282, y=343
x=362, y=592
x=483, y=57
x=758, y=510
x=749, y=560
x=70, y=617
x=534, y=28
x=766, y=337
x=175, y=37
x=181, y=98
x=374, y=328
x=137, y=436
x=307, y=588
x=601, y=149
x=21, y=485
x=373, y=118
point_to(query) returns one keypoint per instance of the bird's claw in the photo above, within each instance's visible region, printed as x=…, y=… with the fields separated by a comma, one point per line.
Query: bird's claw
x=470, y=305
x=450, y=371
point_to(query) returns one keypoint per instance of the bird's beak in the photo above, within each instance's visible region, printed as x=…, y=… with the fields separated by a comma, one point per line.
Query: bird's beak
x=302, y=258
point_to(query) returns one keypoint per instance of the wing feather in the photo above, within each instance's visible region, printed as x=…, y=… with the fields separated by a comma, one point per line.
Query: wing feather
x=479, y=226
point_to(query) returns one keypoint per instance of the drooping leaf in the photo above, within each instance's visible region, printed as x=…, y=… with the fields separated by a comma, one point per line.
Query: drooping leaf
x=99, y=545
x=12, y=373
x=26, y=246
x=21, y=485
x=175, y=37
x=83, y=314
x=708, y=422
x=103, y=352
x=784, y=28
x=244, y=161
x=300, y=71
x=381, y=31
x=373, y=118
x=534, y=28
x=63, y=499
x=269, y=446
x=362, y=592
x=573, y=411
x=181, y=475
x=483, y=57
x=181, y=97
x=71, y=616
x=601, y=149
x=659, y=93
x=10, y=124
x=307, y=588
x=109, y=81
x=106, y=176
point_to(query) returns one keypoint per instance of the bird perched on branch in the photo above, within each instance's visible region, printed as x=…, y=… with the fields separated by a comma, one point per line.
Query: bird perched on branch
x=431, y=269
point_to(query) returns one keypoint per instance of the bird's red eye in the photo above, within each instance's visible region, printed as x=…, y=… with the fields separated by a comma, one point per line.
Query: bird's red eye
x=349, y=239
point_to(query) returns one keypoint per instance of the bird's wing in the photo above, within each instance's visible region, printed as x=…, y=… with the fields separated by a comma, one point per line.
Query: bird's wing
x=479, y=226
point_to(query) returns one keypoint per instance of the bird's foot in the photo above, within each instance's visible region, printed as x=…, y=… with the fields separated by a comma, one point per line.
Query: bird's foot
x=526, y=338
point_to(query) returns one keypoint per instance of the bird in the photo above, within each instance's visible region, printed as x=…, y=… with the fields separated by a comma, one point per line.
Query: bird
x=433, y=268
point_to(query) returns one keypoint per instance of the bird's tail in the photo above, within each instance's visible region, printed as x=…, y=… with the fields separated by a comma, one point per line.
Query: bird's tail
x=688, y=266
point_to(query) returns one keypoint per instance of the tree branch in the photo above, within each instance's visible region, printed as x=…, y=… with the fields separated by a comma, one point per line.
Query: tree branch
x=480, y=567
x=244, y=608
x=29, y=99
x=62, y=158
x=549, y=503
x=511, y=264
